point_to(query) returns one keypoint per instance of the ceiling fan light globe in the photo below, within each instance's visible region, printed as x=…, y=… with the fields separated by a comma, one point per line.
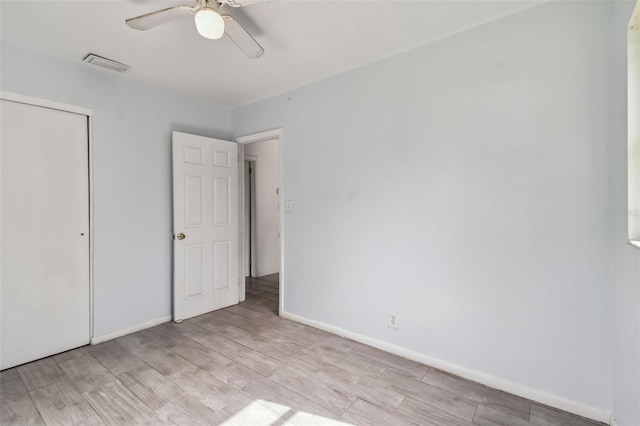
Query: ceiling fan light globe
x=209, y=24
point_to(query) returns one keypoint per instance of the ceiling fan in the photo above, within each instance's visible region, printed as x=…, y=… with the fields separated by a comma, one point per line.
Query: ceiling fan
x=210, y=23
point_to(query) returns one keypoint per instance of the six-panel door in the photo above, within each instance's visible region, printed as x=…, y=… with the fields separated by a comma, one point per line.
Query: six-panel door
x=205, y=212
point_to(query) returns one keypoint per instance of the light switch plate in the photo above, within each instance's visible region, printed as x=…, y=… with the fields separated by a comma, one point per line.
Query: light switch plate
x=288, y=206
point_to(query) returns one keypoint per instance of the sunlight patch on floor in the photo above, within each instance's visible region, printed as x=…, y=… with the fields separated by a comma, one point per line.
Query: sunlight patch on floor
x=267, y=413
x=302, y=418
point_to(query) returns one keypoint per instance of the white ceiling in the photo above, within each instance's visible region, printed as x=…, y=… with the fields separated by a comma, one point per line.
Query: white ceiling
x=305, y=41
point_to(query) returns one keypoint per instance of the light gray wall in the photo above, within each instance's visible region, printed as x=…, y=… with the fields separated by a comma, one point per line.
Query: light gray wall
x=625, y=260
x=132, y=126
x=463, y=185
x=267, y=170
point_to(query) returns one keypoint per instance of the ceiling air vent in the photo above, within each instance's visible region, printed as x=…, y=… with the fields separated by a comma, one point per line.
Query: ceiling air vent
x=105, y=63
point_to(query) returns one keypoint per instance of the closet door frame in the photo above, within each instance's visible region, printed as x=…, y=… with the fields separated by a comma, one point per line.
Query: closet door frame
x=45, y=103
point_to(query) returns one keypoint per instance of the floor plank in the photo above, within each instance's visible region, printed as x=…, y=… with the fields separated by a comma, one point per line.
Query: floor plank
x=16, y=406
x=428, y=415
x=61, y=404
x=268, y=296
x=246, y=323
x=153, y=389
x=9, y=374
x=74, y=353
x=202, y=384
x=274, y=278
x=200, y=356
x=238, y=335
x=166, y=361
x=240, y=310
x=115, y=357
x=86, y=373
x=371, y=390
x=282, y=351
x=117, y=405
x=512, y=405
x=490, y=416
x=187, y=410
x=334, y=344
x=443, y=400
x=401, y=365
x=239, y=353
x=307, y=386
x=360, y=366
x=259, y=362
x=263, y=389
x=144, y=344
x=216, y=343
x=40, y=373
x=546, y=416
x=366, y=414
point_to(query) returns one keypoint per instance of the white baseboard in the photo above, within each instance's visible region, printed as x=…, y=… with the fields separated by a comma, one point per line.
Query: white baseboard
x=542, y=397
x=270, y=271
x=119, y=333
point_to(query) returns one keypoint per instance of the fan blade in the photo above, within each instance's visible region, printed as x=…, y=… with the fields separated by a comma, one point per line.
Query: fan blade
x=242, y=3
x=242, y=38
x=159, y=17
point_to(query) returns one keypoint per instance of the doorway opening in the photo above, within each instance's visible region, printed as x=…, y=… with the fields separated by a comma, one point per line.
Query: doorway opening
x=262, y=219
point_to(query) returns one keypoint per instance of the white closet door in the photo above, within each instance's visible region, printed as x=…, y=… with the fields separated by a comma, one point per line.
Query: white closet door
x=44, y=229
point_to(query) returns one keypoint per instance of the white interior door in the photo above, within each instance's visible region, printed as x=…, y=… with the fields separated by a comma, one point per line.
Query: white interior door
x=44, y=224
x=205, y=225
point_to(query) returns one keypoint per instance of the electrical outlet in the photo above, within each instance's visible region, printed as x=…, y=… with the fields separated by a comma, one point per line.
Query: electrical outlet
x=393, y=320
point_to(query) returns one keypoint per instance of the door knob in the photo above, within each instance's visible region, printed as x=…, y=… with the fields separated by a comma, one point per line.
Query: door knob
x=181, y=236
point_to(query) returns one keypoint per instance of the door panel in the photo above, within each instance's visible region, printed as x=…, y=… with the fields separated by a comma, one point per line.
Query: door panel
x=194, y=276
x=194, y=196
x=222, y=259
x=205, y=206
x=222, y=195
x=44, y=252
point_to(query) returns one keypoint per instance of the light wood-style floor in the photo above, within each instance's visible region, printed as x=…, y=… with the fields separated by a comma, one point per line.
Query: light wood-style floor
x=245, y=366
